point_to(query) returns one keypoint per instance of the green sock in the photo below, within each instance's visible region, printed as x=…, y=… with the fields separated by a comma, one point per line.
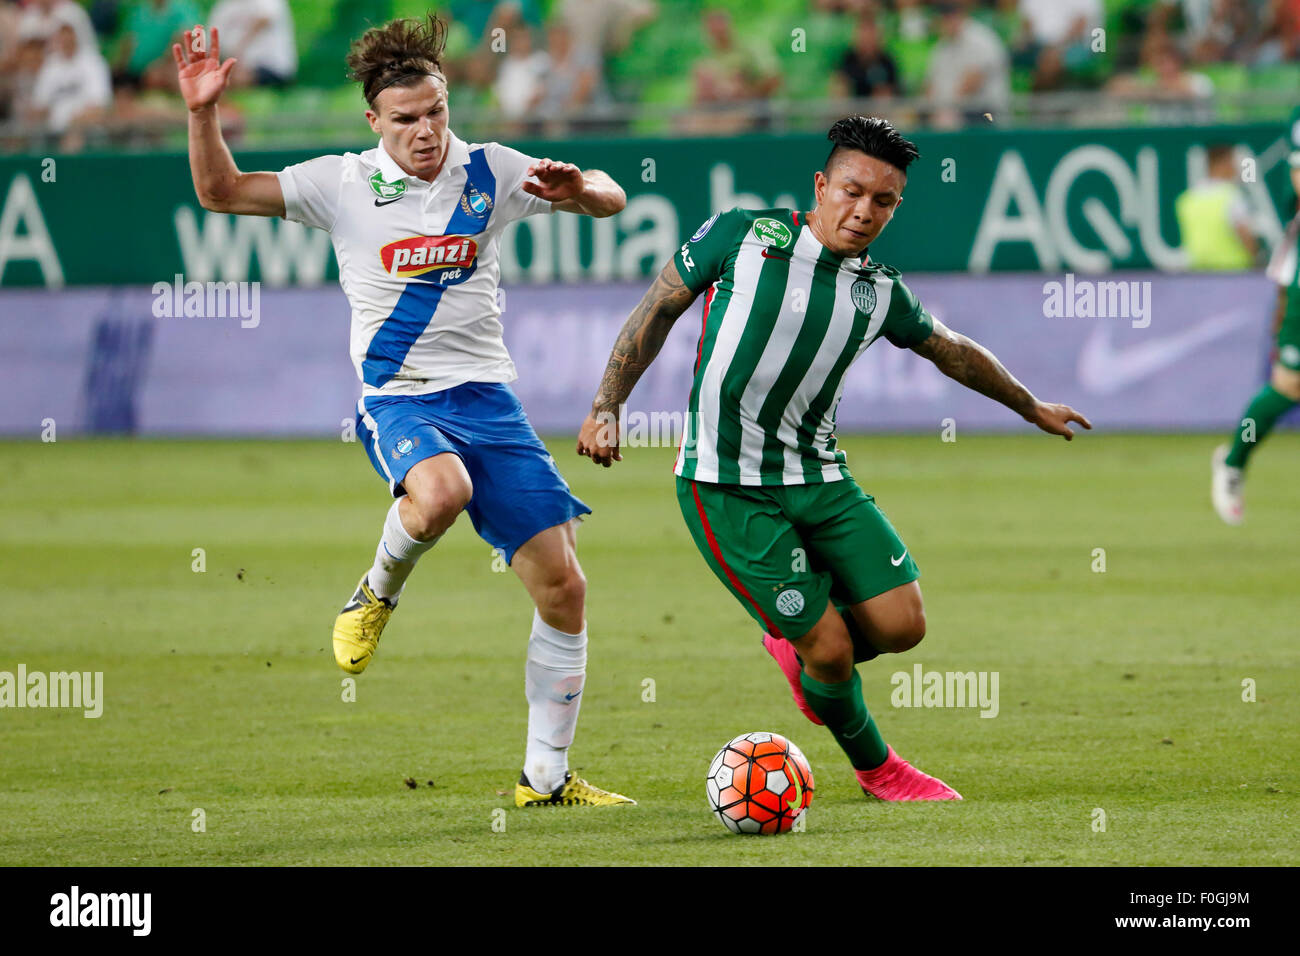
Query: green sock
x=1261, y=415
x=842, y=709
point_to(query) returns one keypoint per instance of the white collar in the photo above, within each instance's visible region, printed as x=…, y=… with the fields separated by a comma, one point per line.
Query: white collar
x=457, y=155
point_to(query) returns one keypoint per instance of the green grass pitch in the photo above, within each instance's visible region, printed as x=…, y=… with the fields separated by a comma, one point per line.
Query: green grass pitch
x=1120, y=691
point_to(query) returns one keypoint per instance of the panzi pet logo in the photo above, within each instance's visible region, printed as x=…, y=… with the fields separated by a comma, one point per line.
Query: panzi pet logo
x=385, y=190
x=452, y=256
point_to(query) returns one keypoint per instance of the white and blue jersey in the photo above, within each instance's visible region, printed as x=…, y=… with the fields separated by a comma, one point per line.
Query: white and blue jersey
x=418, y=263
x=417, y=260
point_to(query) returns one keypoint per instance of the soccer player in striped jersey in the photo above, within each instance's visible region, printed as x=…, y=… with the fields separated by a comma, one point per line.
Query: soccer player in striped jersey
x=792, y=298
x=1282, y=392
x=415, y=224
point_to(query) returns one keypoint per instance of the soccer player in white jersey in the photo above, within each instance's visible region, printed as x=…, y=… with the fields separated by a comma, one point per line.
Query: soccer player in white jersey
x=415, y=224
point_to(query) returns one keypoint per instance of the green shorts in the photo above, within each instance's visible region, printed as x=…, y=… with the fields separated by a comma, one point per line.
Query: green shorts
x=1288, y=334
x=783, y=550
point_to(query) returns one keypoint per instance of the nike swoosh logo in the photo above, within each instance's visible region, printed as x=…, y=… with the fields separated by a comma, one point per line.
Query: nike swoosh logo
x=571, y=696
x=1105, y=369
x=798, y=790
x=896, y=561
x=355, y=660
x=387, y=201
x=770, y=255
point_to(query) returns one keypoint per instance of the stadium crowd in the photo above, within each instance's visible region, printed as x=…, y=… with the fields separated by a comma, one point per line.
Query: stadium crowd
x=102, y=69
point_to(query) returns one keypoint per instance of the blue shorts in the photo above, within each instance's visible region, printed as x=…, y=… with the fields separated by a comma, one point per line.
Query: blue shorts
x=518, y=491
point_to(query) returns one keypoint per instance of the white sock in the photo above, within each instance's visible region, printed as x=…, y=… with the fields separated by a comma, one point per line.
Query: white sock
x=396, y=555
x=554, y=675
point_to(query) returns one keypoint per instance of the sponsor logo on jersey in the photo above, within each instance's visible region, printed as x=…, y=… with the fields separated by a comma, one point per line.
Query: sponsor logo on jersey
x=386, y=190
x=770, y=232
x=789, y=602
x=452, y=257
x=704, y=229
x=863, y=294
x=476, y=204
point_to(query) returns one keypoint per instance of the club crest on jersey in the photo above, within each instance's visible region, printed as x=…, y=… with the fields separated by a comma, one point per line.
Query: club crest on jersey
x=704, y=229
x=405, y=446
x=474, y=203
x=446, y=259
x=385, y=190
x=790, y=602
x=770, y=232
x=863, y=294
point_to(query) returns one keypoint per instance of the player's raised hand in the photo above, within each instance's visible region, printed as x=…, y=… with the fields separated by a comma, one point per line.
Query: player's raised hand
x=598, y=439
x=202, y=75
x=556, y=182
x=1055, y=419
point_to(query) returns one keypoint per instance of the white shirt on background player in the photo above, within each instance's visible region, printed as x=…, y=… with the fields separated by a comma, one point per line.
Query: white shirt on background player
x=465, y=342
x=272, y=47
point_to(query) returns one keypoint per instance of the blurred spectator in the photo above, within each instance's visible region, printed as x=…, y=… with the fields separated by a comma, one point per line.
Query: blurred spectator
x=866, y=70
x=732, y=72
x=9, y=44
x=570, y=84
x=969, y=71
x=521, y=77
x=1062, y=23
x=1164, y=80
x=259, y=33
x=1214, y=218
x=144, y=53
x=599, y=27
x=1061, y=32
x=43, y=17
x=72, y=89
x=28, y=56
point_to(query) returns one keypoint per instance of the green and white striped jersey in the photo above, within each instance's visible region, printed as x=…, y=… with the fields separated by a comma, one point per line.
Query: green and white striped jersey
x=784, y=318
x=1283, y=264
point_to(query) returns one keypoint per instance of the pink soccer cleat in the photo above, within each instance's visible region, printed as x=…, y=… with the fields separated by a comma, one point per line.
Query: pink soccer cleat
x=788, y=661
x=896, y=779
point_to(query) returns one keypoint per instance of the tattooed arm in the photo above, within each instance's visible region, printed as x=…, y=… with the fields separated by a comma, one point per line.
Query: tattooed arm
x=638, y=343
x=977, y=368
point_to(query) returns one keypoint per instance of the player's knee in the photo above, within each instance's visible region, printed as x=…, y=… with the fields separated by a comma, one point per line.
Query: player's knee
x=564, y=592
x=905, y=631
x=828, y=658
x=1286, y=381
x=436, y=508
x=911, y=631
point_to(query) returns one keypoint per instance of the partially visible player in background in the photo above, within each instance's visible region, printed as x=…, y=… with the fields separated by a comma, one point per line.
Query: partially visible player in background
x=1282, y=392
x=415, y=224
x=793, y=299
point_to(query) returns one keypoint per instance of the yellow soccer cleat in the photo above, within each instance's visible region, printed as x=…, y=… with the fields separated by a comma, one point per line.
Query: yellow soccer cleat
x=358, y=626
x=574, y=792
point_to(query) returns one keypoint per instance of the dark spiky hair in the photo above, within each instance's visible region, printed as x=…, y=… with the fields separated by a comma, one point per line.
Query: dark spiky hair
x=400, y=53
x=873, y=136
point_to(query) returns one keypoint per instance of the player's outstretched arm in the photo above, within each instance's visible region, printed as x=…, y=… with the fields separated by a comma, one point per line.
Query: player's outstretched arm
x=638, y=343
x=970, y=363
x=570, y=189
x=219, y=184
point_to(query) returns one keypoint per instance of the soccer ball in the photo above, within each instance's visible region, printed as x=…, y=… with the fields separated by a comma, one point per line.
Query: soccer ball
x=759, y=783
